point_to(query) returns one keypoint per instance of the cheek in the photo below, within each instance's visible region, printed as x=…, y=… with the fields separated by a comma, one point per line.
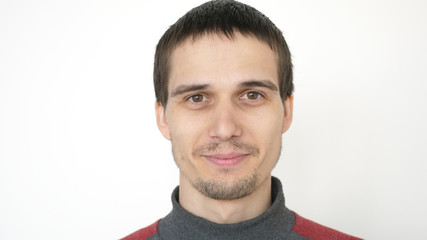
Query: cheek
x=268, y=120
x=186, y=131
x=266, y=129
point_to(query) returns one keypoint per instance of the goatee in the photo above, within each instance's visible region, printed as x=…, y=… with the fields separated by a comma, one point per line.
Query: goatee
x=223, y=190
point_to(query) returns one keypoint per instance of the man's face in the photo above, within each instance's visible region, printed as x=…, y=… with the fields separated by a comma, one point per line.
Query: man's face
x=224, y=115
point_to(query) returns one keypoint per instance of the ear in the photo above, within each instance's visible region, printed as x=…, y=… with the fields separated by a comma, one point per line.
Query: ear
x=162, y=124
x=288, y=104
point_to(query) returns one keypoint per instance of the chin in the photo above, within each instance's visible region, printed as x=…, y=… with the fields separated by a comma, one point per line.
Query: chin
x=226, y=189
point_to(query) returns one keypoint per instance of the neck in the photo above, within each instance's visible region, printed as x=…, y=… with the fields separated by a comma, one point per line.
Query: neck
x=225, y=211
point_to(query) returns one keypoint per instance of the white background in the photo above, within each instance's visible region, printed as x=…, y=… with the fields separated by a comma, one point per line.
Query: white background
x=81, y=156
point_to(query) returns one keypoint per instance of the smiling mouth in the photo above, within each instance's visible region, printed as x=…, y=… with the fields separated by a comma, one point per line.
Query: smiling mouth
x=226, y=160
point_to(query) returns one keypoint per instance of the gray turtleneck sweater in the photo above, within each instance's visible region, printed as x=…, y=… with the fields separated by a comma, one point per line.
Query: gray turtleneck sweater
x=278, y=222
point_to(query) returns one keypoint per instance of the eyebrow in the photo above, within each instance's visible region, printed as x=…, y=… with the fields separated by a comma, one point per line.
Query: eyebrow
x=259, y=83
x=181, y=89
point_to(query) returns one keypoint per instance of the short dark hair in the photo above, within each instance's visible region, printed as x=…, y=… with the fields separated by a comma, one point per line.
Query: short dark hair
x=222, y=17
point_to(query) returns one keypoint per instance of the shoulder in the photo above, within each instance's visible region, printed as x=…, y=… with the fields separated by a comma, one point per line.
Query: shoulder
x=143, y=233
x=312, y=230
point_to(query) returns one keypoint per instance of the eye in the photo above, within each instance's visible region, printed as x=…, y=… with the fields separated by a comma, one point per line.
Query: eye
x=197, y=98
x=251, y=95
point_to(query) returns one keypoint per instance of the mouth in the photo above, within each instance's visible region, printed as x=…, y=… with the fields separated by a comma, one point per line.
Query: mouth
x=226, y=160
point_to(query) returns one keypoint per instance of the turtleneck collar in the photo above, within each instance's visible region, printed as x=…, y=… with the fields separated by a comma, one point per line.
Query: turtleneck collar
x=275, y=223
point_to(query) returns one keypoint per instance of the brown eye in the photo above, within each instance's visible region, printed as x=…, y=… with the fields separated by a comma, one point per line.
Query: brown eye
x=252, y=95
x=197, y=98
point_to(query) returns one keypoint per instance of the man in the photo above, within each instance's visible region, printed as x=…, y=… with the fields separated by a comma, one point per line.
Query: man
x=223, y=82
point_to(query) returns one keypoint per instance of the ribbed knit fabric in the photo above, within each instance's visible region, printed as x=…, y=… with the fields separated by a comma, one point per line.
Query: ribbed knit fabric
x=278, y=222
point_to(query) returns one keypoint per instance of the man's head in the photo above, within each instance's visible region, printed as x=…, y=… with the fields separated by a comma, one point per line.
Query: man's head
x=224, y=18
x=223, y=80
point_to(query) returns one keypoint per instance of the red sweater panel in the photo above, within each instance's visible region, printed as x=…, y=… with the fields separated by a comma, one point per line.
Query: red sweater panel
x=143, y=233
x=310, y=229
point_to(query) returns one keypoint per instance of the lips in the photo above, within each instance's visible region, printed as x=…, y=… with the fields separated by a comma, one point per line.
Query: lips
x=226, y=160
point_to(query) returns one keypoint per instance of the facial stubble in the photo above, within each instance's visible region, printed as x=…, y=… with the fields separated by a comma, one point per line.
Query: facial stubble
x=220, y=189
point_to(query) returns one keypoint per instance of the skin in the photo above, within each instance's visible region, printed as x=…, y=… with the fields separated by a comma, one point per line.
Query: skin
x=223, y=91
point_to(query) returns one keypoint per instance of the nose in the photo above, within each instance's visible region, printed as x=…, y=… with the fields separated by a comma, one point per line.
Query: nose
x=225, y=122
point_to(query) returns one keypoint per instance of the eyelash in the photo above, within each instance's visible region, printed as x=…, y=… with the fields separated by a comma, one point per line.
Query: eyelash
x=260, y=95
x=190, y=98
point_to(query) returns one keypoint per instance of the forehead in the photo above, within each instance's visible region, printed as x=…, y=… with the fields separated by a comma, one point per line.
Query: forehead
x=215, y=59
